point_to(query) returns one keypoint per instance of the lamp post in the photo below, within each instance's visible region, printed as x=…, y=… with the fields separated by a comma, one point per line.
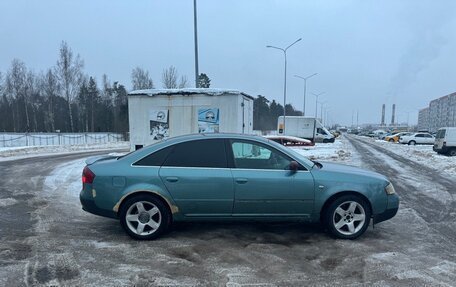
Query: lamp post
x=305, y=85
x=316, y=105
x=195, y=27
x=316, y=101
x=285, y=78
x=321, y=110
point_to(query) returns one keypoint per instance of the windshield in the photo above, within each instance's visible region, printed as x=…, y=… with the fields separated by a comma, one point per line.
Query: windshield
x=440, y=134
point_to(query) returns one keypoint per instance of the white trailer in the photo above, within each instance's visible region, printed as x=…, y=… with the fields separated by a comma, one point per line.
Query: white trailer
x=304, y=127
x=156, y=114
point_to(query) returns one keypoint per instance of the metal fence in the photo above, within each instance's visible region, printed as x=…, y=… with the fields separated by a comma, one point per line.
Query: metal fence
x=43, y=139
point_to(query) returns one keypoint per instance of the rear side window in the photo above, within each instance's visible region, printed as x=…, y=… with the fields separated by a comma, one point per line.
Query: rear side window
x=199, y=153
x=155, y=159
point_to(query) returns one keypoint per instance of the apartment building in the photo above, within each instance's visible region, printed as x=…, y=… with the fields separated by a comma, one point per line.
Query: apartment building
x=440, y=113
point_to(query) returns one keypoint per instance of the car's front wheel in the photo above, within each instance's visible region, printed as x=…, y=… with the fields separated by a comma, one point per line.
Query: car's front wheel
x=412, y=142
x=391, y=140
x=144, y=217
x=347, y=217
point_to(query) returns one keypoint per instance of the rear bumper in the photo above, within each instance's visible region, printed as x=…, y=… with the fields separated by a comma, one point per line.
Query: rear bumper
x=90, y=206
x=390, y=211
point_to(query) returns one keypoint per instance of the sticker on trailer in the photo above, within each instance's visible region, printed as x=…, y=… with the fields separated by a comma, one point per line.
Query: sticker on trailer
x=159, y=124
x=208, y=120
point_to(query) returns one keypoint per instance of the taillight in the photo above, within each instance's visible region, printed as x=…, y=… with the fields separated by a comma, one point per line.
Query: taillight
x=87, y=175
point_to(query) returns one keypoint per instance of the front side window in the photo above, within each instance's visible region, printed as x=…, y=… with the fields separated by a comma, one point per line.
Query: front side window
x=200, y=153
x=440, y=134
x=250, y=155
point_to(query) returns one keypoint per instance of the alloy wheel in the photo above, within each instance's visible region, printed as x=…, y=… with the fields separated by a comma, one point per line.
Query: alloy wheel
x=143, y=218
x=349, y=217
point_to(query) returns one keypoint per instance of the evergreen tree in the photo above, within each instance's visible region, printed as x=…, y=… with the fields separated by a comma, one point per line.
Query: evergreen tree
x=203, y=81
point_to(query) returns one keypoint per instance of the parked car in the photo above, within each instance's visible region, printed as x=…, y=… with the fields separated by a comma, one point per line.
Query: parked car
x=417, y=138
x=445, y=141
x=382, y=136
x=395, y=137
x=290, y=141
x=232, y=177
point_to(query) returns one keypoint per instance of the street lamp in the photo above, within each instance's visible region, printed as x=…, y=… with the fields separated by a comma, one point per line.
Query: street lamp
x=316, y=105
x=316, y=101
x=321, y=110
x=285, y=80
x=305, y=84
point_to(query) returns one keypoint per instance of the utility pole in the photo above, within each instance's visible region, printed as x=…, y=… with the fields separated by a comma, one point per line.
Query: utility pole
x=195, y=24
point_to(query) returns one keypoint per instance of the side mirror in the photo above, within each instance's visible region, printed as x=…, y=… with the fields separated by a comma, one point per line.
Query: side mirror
x=294, y=166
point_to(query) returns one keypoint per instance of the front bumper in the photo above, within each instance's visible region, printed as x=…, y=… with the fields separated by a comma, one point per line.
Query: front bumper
x=444, y=149
x=390, y=211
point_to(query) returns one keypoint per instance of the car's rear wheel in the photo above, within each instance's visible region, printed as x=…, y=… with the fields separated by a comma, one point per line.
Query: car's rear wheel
x=391, y=140
x=347, y=217
x=412, y=142
x=144, y=217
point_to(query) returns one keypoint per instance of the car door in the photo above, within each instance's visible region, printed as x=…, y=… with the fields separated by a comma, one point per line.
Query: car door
x=198, y=178
x=428, y=139
x=263, y=184
x=419, y=138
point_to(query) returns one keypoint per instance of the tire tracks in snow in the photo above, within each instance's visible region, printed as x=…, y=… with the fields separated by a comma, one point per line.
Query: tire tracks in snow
x=423, y=189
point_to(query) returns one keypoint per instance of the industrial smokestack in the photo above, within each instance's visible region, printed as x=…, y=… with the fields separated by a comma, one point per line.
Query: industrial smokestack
x=394, y=112
x=383, y=115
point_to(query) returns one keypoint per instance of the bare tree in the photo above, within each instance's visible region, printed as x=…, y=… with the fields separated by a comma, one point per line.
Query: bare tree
x=169, y=78
x=1, y=84
x=30, y=88
x=50, y=87
x=140, y=79
x=15, y=86
x=69, y=74
x=183, y=82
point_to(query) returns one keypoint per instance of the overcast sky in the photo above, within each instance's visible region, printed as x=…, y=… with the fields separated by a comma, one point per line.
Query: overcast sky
x=366, y=53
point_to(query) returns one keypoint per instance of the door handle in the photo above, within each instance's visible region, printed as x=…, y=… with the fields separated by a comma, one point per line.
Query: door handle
x=241, y=180
x=172, y=179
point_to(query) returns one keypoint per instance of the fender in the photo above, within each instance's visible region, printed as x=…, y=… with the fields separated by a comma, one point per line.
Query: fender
x=147, y=188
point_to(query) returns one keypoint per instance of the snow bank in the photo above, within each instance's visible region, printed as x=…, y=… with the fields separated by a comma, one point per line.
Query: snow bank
x=13, y=153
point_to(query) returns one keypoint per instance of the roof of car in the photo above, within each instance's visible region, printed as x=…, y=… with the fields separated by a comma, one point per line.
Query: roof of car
x=214, y=135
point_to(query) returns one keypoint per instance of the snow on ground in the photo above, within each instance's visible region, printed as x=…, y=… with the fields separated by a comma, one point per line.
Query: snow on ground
x=422, y=154
x=338, y=151
x=13, y=153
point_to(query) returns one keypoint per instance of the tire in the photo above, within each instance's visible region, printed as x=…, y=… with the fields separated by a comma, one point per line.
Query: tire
x=412, y=142
x=391, y=140
x=347, y=217
x=145, y=217
x=452, y=152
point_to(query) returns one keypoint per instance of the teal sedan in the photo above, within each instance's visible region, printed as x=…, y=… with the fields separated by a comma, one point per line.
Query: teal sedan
x=230, y=177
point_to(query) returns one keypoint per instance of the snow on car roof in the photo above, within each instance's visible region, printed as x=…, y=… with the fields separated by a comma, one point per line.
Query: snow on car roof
x=187, y=91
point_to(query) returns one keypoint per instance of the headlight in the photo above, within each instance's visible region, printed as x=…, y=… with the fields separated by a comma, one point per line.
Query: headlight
x=389, y=189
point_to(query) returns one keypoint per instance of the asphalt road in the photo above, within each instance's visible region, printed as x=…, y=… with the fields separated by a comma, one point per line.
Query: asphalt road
x=46, y=239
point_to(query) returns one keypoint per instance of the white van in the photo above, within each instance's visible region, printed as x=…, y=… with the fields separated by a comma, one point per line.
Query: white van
x=445, y=141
